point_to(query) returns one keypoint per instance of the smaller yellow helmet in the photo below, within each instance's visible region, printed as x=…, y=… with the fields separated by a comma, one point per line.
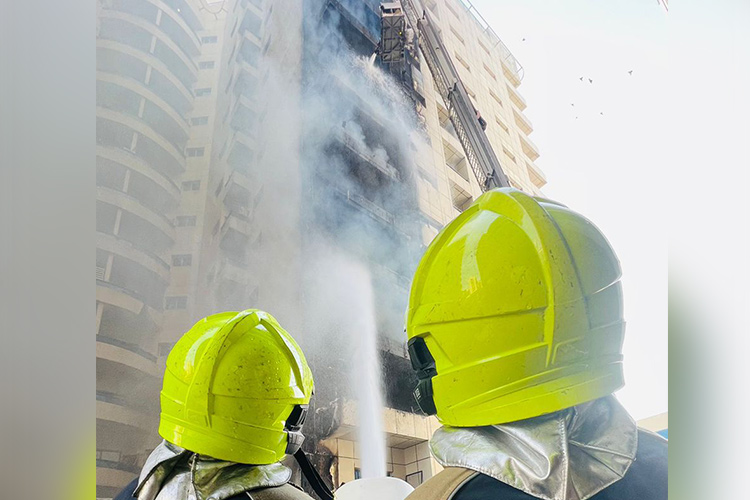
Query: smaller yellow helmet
x=236, y=388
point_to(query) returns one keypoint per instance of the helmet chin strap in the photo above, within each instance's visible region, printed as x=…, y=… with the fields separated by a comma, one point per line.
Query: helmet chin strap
x=317, y=483
x=294, y=442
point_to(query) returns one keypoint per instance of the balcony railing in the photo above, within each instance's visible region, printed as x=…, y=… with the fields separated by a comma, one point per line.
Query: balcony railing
x=110, y=464
x=507, y=56
x=127, y=346
x=370, y=158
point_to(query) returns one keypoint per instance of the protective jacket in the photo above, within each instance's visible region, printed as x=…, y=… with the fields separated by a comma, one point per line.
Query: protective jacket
x=592, y=451
x=173, y=473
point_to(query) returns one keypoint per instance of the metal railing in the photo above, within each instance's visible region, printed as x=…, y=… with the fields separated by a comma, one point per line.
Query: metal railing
x=508, y=58
x=479, y=154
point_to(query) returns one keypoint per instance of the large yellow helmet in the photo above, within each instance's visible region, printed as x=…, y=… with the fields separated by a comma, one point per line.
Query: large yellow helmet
x=236, y=388
x=515, y=311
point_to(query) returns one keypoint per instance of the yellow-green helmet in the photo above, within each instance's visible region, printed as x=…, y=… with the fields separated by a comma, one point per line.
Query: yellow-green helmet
x=236, y=388
x=515, y=311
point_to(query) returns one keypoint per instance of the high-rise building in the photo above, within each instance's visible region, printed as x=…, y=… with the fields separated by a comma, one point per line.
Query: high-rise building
x=253, y=153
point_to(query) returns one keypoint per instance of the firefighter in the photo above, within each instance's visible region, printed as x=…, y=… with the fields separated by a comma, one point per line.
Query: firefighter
x=234, y=398
x=515, y=328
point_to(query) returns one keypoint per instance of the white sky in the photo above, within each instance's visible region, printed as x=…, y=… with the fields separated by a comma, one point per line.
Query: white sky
x=618, y=168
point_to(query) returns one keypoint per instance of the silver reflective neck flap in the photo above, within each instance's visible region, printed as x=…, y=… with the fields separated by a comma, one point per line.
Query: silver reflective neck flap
x=569, y=455
x=174, y=473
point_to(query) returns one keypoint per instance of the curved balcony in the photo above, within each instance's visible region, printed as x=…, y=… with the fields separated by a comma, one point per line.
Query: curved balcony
x=113, y=476
x=142, y=90
x=112, y=408
x=124, y=248
x=137, y=125
x=156, y=63
x=133, y=162
x=132, y=356
x=119, y=297
x=132, y=205
x=179, y=21
x=151, y=29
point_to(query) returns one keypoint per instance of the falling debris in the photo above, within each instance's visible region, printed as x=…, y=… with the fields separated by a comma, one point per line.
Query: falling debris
x=523, y=39
x=601, y=113
x=591, y=81
x=581, y=78
x=630, y=72
x=572, y=104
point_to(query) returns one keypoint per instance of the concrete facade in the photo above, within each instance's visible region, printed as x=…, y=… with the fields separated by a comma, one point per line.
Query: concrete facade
x=199, y=131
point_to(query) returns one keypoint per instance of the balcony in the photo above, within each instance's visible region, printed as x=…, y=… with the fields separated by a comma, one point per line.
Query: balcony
x=118, y=296
x=235, y=233
x=119, y=120
x=242, y=153
x=529, y=148
x=358, y=148
x=252, y=21
x=536, y=175
x=157, y=65
x=142, y=90
x=172, y=54
x=186, y=36
x=128, y=159
x=113, y=408
x=233, y=270
x=511, y=67
x=125, y=249
x=245, y=116
x=235, y=194
x=516, y=98
x=131, y=355
x=523, y=123
x=111, y=477
x=250, y=49
x=368, y=207
x=133, y=206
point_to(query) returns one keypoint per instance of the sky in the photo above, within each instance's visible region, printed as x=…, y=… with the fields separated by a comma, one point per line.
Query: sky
x=616, y=148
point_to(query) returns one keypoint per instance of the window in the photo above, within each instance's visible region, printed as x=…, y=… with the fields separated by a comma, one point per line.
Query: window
x=357, y=473
x=184, y=220
x=209, y=39
x=171, y=303
x=457, y=35
x=450, y=8
x=489, y=71
x=202, y=92
x=199, y=120
x=182, y=260
x=484, y=47
x=502, y=125
x=191, y=185
x=463, y=62
x=206, y=65
x=109, y=456
x=496, y=98
x=194, y=152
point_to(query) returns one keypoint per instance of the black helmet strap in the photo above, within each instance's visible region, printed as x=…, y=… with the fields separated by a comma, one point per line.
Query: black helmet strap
x=312, y=476
x=424, y=364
